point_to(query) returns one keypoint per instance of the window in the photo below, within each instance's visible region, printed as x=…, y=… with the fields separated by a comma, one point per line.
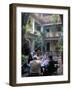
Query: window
x=37, y=26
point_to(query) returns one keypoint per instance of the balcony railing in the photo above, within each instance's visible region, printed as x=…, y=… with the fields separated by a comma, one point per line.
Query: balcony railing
x=54, y=34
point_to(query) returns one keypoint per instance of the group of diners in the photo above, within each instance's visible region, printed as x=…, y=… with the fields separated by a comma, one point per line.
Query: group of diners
x=41, y=65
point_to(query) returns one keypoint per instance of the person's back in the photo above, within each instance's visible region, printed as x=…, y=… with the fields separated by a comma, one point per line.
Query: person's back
x=35, y=68
x=51, y=66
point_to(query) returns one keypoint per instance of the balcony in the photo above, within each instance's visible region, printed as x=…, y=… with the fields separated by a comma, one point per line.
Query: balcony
x=54, y=34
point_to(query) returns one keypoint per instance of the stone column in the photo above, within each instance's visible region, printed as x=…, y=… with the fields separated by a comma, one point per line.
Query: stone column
x=42, y=39
x=33, y=30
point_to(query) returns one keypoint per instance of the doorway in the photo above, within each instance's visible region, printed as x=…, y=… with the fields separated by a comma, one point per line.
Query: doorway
x=48, y=46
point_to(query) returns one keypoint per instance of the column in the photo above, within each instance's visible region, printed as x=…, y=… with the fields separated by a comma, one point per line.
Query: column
x=42, y=39
x=33, y=26
x=41, y=28
x=33, y=30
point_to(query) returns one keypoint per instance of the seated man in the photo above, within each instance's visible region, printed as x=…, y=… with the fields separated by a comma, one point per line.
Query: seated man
x=52, y=67
x=44, y=62
x=35, y=67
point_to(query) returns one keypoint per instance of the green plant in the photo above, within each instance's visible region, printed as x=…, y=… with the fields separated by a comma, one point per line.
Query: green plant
x=24, y=59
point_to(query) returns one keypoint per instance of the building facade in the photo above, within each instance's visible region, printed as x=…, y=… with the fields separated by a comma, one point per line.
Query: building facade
x=45, y=32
